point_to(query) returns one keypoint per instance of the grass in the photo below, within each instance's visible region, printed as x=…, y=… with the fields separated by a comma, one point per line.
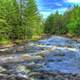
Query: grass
x=5, y=42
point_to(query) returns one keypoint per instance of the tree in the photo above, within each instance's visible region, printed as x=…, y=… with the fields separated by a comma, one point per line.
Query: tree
x=32, y=20
x=22, y=18
x=4, y=30
x=72, y=22
x=54, y=24
x=9, y=12
x=4, y=26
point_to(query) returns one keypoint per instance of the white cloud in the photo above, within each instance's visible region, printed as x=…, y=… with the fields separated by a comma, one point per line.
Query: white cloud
x=58, y=4
x=72, y=1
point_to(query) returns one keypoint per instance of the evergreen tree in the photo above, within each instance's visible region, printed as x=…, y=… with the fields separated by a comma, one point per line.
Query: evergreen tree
x=32, y=19
x=54, y=24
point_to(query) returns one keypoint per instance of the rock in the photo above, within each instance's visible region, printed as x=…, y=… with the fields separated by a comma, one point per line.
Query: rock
x=4, y=49
x=60, y=77
x=20, y=48
x=15, y=58
x=22, y=77
x=3, y=75
x=18, y=76
x=22, y=68
x=37, y=58
x=26, y=57
x=11, y=77
x=2, y=69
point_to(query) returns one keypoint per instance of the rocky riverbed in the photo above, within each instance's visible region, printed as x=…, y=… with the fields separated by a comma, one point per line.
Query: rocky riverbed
x=54, y=58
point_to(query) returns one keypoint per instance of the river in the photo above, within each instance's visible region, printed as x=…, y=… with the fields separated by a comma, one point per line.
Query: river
x=53, y=58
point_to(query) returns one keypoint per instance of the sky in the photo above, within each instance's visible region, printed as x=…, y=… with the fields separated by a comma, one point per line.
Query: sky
x=46, y=7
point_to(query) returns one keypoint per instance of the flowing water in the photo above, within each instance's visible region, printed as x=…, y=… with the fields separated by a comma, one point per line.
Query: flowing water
x=60, y=60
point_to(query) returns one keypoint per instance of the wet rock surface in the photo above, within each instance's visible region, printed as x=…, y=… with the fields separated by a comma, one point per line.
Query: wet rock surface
x=55, y=58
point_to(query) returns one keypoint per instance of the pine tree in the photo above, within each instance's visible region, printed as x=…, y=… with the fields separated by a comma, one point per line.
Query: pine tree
x=32, y=19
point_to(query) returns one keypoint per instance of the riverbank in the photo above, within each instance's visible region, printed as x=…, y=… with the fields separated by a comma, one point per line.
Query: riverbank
x=5, y=45
x=8, y=43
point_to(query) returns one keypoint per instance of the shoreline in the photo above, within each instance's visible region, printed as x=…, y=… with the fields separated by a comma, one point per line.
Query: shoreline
x=22, y=42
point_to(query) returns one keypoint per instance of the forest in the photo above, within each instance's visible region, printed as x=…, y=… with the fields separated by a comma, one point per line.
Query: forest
x=21, y=20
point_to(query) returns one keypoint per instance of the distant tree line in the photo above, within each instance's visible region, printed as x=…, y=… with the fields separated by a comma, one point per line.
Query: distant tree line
x=67, y=23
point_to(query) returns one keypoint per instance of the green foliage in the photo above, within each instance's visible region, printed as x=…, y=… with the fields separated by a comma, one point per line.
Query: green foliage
x=69, y=22
x=73, y=23
x=19, y=20
x=32, y=19
x=54, y=24
x=4, y=30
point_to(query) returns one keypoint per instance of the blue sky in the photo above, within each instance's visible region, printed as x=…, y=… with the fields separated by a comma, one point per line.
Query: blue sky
x=47, y=7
